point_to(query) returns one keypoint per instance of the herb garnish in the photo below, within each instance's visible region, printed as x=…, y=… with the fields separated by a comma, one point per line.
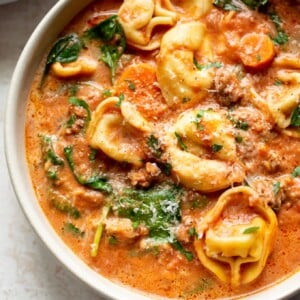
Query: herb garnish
x=295, y=118
x=278, y=82
x=99, y=231
x=121, y=99
x=276, y=188
x=65, y=50
x=65, y=206
x=157, y=208
x=208, y=65
x=296, y=172
x=110, y=32
x=281, y=38
x=216, y=147
x=180, y=142
x=199, y=116
x=71, y=228
x=81, y=103
x=154, y=144
x=250, y=230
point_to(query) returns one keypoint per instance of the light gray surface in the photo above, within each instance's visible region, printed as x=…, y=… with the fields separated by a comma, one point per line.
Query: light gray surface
x=27, y=269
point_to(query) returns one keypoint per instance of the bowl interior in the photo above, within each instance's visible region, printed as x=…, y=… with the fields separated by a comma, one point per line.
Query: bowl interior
x=44, y=35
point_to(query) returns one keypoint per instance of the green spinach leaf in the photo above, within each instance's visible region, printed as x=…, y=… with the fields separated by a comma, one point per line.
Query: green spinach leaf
x=110, y=32
x=65, y=50
x=96, y=182
x=295, y=119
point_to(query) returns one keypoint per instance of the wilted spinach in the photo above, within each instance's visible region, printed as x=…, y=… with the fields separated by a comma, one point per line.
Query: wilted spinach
x=96, y=182
x=65, y=50
x=110, y=32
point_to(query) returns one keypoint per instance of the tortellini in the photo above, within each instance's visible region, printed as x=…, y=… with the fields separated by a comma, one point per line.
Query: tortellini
x=82, y=66
x=200, y=131
x=189, y=9
x=235, y=238
x=179, y=79
x=117, y=131
x=139, y=18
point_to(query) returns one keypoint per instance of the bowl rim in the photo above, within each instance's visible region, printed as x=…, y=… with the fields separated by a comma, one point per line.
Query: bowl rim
x=22, y=186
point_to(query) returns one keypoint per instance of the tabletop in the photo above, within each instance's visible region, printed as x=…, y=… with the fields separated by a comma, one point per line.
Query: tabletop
x=27, y=268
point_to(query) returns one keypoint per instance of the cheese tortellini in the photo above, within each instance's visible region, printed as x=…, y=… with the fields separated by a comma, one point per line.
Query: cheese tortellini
x=179, y=79
x=189, y=9
x=139, y=18
x=118, y=132
x=235, y=237
x=201, y=131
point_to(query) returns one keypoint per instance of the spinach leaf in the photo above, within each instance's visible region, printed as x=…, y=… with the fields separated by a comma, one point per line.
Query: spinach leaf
x=281, y=38
x=296, y=172
x=66, y=207
x=71, y=228
x=228, y=4
x=96, y=182
x=255, y=4
x=154, y=144
x=276, y=187
x=158, y=208
x=189, y=255
x=48, y=151
x=81, y=103
x=110, y=32
x=207, y=66
x=65, y=50
x=216, y=147
x=295, y=119
x=225, y=4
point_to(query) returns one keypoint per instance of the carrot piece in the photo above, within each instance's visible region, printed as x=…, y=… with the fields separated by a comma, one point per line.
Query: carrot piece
x=138, y=84
x=256, y=50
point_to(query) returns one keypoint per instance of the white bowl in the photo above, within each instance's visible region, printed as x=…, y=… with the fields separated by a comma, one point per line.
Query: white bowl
x=43, y=36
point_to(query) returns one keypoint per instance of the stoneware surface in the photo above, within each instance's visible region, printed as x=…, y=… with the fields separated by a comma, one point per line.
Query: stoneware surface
x=28, y=270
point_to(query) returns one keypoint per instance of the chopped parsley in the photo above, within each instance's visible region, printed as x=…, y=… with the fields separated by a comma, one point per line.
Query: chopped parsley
x=121, y=99
x=199, y=116
x=180, y=142
x=276, y=188
x=208, y=65
x=281, y=38
x=238, y=139
x=131, y=85
x=107, y=93
x=216, y=147
x=64, y=206
x=71, y=228
x=250, y=230
x=154, y=144
x=296, y=172
x=112, y=240
x=278, y=82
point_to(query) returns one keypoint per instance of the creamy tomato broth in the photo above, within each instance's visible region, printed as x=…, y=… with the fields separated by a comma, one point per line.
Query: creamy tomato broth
x=163, y=143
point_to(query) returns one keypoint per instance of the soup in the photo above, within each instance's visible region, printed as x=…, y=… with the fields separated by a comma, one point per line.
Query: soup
x=162, y=139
